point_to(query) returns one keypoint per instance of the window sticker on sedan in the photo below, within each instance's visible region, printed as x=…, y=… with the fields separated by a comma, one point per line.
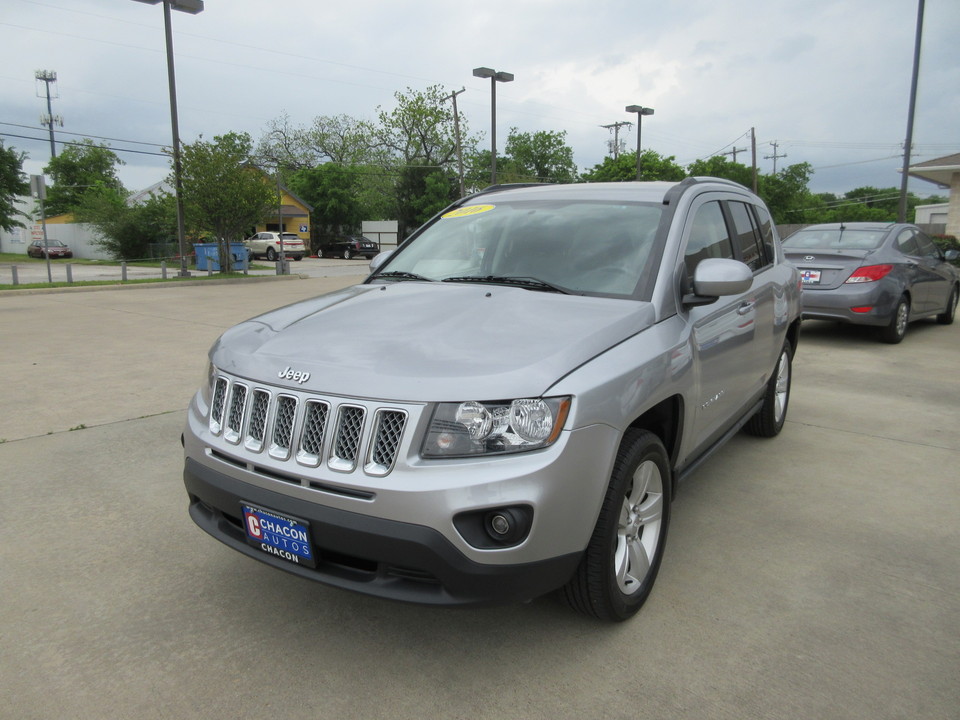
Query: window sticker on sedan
x=465, y=211
x=810, y=277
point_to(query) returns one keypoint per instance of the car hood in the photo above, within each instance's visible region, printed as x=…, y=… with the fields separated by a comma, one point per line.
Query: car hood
x=416, y=341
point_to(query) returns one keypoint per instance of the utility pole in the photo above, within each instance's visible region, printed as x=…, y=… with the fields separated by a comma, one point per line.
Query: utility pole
x=456, y=129
x=48, y=118
x=733, y=151
x=905, y=174
x=615, y=127
x=753, y=148
x=774, y=156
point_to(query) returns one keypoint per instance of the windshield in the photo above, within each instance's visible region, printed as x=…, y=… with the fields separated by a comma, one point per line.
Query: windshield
x=592, y=248
x=835, y=239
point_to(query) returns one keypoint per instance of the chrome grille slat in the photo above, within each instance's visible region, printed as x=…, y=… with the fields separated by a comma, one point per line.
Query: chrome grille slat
x=283, y=421
x=292, y=426
x=257, y=427
x=238, y=404
x=311, y=437
x=346, y=447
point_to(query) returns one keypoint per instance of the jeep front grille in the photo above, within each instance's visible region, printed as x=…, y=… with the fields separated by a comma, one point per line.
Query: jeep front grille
x=305, y=429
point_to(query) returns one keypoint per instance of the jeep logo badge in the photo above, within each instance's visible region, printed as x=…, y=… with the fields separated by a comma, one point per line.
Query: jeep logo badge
x=296, y=375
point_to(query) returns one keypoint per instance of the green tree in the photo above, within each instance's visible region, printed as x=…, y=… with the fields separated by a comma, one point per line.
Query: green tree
x=332, y=190
x=13, y=184
x=718, y=166
x=653, y=166
x=422, y=192
x=78, y=171
x=786, y=193
x=224, y=193
x=127, y=231
x=340, y=139
x=542, y=156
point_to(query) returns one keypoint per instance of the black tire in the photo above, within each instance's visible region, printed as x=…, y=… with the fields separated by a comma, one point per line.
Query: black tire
x=319, y=252
x=347, y=254
x=769, y=419
x=297, y=258
x=946, y=317
x=271, y=254
x=620, y=564
x=893, y=332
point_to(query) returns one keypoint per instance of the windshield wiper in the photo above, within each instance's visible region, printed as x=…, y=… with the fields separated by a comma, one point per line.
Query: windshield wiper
x=528, y=282
x=402, y=275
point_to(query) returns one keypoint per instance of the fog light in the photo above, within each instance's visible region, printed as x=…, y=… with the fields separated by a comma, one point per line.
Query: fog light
x=500, y=524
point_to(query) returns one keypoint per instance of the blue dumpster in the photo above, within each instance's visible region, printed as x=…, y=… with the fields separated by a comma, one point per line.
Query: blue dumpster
x=208, y=256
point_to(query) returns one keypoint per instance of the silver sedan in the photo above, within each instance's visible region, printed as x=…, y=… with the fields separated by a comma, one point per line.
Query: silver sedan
x=885, y=275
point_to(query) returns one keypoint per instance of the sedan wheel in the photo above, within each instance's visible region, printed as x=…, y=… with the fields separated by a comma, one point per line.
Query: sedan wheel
x=319, y=253
x=894, y=332
x=623, y=557
x=946, y=317
x=347, y=254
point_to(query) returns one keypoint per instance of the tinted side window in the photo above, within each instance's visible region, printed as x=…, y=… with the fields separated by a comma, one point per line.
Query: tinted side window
x=709, y=237
x=907, y=242
x=927, y=248
x=766, y=232
x=747, y=238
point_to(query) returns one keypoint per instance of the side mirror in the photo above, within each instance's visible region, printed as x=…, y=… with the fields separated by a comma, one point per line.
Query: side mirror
x=951, y=255
x=716, y=277
x=379, y=260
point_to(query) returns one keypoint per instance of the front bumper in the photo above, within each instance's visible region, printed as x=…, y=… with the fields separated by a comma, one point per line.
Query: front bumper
x=372, y=555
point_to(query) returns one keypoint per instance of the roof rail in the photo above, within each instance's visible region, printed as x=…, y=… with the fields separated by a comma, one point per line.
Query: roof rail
x=510, y=186
x=681, y=187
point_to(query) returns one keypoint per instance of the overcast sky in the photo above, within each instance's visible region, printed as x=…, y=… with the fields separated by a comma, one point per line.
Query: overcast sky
x=829, y=80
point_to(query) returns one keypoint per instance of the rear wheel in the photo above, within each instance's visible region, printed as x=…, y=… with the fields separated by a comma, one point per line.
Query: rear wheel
x=620, y=564
x=894, y=332
x=768, y=420
x=946, y=317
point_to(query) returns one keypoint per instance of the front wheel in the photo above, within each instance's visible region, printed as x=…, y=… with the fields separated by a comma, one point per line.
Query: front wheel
x=347, y=254
x=319, y=252
x=768, y=420
x=271, y=254
x=894, y=332
x=620, y=564
x=946, y=317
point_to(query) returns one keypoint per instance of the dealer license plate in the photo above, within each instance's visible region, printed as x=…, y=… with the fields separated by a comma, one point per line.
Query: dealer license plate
x=279, y=535
x=810, y=277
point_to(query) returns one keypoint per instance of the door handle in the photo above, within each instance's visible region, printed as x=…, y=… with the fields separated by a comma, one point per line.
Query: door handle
x=746, y=307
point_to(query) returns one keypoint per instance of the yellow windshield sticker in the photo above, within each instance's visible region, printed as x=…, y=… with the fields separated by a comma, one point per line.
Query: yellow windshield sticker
x=468, y=210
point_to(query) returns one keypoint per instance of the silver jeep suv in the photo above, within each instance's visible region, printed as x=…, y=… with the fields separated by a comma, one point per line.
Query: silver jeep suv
x=505, y=406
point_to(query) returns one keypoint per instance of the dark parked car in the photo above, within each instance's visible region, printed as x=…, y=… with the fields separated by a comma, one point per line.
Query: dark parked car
x=54, y=248
x=874, y=274
x=348, y=246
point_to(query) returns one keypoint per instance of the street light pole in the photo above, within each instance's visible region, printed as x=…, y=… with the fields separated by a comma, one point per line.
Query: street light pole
x=193, y=7
x=495, y=77
x=640, y=111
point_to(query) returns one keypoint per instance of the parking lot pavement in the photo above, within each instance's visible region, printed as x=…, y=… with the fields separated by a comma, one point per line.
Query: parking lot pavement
x=815, y=575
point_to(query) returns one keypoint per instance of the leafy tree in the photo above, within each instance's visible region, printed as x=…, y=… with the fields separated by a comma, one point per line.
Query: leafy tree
x=80, y=170
x=332, y=190
x=719, y=166
x=13, y=183
x=786, y=193
x=338, y=139
x=224, y=194
x=420, y=129
x=542, y=156
x=653, y=166
x=422, y=192
x=127, y=231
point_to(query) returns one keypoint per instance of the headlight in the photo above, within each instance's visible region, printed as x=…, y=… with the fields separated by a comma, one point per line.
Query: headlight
x=491, y=428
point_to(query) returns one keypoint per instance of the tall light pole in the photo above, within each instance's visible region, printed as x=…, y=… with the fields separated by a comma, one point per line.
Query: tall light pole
x=193, y=7
x=640, y=111
x=495, y=77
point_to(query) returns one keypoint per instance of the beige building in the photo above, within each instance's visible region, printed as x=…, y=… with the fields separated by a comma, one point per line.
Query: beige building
x=944, y=171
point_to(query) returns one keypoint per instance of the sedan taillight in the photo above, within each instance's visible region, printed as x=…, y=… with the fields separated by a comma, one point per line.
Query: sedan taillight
x=869, y=273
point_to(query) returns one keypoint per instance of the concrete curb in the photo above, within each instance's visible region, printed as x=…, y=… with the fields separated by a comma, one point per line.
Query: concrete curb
x=79, y=287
